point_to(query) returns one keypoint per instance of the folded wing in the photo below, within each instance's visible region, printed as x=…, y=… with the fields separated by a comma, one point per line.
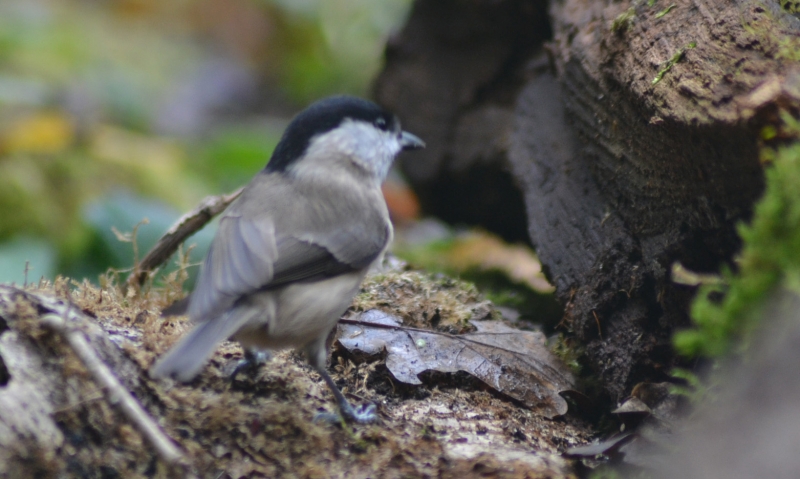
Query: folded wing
x=251, y=253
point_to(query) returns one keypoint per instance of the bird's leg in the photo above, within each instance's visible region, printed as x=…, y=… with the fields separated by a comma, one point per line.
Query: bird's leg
x=364, y=414
x=317, y=356
x=253, y=359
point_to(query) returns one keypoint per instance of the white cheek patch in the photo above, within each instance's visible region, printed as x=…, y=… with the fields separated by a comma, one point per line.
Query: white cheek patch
x=375, y=149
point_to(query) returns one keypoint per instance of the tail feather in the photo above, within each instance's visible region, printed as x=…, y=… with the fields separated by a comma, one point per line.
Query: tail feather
x=185, y=360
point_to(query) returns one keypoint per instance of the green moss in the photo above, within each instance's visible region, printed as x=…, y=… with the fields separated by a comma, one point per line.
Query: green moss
x=771, y=38
x=671, y=62
x=791, y=6
x=424, y=300
x=725, y=316
x=569, y=353
x=624, y=20
x=665, y=11
x=769, y=132
x=788, y=49
x=501, y=290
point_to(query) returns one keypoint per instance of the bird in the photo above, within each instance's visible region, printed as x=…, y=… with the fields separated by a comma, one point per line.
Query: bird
x=291, y=251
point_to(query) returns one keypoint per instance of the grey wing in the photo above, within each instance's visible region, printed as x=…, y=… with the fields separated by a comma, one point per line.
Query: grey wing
x=248, y=255
x=241, y=259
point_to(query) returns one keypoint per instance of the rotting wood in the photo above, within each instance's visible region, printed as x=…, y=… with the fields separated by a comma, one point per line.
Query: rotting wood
x=622, y=175
x=675, y=160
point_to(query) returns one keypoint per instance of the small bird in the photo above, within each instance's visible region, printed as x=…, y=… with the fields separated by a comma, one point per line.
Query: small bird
x=291, y=252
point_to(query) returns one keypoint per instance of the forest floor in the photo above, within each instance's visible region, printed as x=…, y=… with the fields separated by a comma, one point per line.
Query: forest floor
x=258, y=425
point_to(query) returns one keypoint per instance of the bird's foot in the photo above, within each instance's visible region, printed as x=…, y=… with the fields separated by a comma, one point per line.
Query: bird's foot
x=364, y=414
x=248, y=365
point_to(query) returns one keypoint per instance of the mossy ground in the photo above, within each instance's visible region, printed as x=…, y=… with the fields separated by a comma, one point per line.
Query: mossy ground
x=262, y=425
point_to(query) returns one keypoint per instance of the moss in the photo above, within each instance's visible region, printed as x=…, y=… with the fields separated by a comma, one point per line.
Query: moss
x=665, y=11
x=791, y=6
x=509, y=275
x=569, y=353
x=605, y=472
x=671, y=62
x=725, y=316
x=260, y=425
x=771, y=37
x=535, y=306
x=425, y=300
x=624, y=20
x=788, y=48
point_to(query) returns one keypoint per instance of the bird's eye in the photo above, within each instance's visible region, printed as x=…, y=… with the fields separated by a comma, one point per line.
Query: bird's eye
x=381, y=123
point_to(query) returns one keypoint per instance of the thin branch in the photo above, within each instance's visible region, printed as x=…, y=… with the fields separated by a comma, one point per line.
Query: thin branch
x=186, y=226
x=457, y=337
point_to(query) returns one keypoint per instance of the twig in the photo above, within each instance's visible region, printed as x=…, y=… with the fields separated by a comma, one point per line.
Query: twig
x=186, y=226
x=115, y=391
x=456, y=337
x=599, y=329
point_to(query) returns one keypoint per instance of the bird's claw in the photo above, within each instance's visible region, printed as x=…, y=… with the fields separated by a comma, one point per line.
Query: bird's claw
x=364, y=414
x=248, y=365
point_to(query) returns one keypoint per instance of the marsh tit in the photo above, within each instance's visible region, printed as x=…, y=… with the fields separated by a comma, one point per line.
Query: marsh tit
x=291, y=252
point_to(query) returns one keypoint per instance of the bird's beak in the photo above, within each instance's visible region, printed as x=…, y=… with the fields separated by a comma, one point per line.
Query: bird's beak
x=411, y=142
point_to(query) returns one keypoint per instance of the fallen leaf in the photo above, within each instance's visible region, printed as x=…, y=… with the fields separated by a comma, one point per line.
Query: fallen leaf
x=514, y=362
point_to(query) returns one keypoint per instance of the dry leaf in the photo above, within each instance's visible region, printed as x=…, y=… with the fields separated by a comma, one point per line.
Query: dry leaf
x=514, y=362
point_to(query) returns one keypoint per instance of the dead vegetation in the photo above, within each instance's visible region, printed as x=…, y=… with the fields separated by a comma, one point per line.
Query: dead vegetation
x=57, y=420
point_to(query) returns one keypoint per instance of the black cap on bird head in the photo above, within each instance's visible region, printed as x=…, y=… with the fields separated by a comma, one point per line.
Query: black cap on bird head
x=323, y=116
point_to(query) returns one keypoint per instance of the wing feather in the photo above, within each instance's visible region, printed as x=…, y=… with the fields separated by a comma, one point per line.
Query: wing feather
x=255, y=250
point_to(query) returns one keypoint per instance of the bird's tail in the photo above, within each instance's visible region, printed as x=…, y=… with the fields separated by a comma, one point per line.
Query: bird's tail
x=185, y=360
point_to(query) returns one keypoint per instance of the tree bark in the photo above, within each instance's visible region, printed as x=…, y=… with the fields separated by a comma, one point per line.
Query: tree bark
x=636, y=144
x=452, y=75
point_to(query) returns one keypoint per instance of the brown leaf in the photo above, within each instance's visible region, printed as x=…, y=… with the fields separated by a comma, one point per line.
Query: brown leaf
x=514, y=362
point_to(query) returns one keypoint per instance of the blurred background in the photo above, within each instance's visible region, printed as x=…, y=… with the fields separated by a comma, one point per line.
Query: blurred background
x=118, y=116
x=117, y=111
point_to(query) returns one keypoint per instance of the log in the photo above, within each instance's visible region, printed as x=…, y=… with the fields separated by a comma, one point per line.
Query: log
x=635, y=142
x=452, y=75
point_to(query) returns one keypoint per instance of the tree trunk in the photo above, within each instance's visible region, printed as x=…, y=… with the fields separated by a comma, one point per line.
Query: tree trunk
x=635, y=143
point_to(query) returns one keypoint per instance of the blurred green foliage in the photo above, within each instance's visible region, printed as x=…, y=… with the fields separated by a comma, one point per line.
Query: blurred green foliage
x=725, y=315
x=232, y=154
x=119, y=111
x=332, y=43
